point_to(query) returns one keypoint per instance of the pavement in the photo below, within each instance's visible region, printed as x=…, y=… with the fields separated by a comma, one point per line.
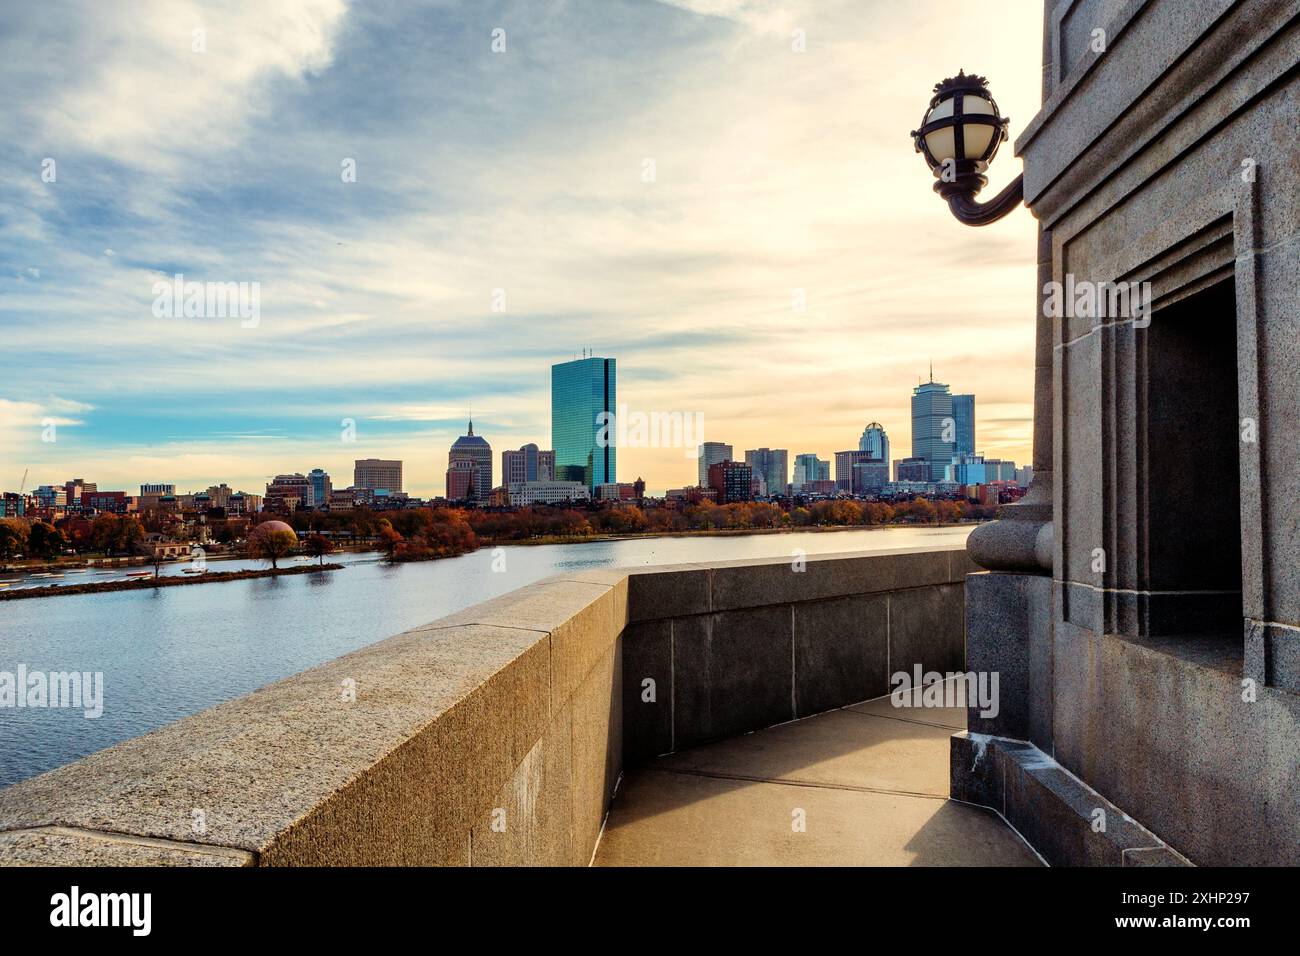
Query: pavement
x=866, y=785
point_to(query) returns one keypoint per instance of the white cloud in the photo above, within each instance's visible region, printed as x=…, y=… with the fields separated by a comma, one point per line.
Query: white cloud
x=141, y=94
x=775, y=171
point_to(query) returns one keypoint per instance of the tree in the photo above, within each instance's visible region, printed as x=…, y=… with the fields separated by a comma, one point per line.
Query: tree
x=111, y=535
x=13, y=537
x=389, y=539
x=271, y=542
x=923, y=510
x=46, y=541
x=318, y=546
x=948, y=510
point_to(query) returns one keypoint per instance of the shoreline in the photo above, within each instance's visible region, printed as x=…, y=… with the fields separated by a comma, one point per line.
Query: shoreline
x=213, y=577
x=139, y=584
x=714, y=533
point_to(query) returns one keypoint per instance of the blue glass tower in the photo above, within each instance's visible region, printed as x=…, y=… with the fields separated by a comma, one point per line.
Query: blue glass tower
x=581, y=391
x=931, y=417
x=963, y=413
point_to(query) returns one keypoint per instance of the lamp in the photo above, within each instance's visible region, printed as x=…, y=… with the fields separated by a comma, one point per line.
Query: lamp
x=959, y=136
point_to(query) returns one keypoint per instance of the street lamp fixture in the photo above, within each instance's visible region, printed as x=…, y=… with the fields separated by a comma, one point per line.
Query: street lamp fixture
x=959, y=136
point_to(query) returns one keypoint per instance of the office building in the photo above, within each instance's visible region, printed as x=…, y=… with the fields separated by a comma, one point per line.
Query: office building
x=527, y=493
x=583, y=423
x=910, y=470
x=967, y=469
x=243, y=503
x=104, y=502
x=219, y=495
x=319, y=487
x=819, y=488
x=286, y=493
x=860, y=472
x=808, y=467
x=712, y=452
x=75, y=488
x=732, y=481
x=933, y=427
x=377, y=473
x=772, y=465
x=475, y=450
x=527, y=464
x=963, y=416
x=998, y=469
x=875, y=441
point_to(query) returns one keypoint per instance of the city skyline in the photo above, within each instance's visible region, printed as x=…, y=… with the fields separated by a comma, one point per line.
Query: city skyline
x=781, y=459
x=320, y=478
x=764, y=231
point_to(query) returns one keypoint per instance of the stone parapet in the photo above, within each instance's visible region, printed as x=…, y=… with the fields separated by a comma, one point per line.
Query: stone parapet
x=497, y=735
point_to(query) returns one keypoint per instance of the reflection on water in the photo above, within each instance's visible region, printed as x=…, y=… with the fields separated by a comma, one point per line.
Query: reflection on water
x=170, y=652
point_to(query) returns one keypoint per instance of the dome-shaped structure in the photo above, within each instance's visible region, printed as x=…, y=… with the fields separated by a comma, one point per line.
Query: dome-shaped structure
x=267, y=527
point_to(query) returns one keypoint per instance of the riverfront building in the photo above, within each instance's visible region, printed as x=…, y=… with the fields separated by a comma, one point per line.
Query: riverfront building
x=732, y=481
x=526, y=493
x=808, y=467
x=474, y=450
x=286, y=493
x=583, y=427
x=318, y=488
x=771, y=464
x=528, y=463
x=377, y=473
x=712, y=452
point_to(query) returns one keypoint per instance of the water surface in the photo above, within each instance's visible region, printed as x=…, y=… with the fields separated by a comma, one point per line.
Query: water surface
x=170, y=652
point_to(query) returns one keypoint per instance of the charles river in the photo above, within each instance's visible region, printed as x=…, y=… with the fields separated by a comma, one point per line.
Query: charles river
x=171, y=652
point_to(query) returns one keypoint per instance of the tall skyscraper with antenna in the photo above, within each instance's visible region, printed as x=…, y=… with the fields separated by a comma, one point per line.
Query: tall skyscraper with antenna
x=584, y=403
x=933, y=426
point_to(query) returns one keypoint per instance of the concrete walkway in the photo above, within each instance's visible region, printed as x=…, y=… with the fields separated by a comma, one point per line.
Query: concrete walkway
x=868, y=783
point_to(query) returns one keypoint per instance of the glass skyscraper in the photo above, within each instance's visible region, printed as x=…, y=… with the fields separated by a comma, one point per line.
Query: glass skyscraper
x=963, y=413
x=875, y=440
x=772, y=464
x=580, y=391
x=932, y=422
x=319, y=488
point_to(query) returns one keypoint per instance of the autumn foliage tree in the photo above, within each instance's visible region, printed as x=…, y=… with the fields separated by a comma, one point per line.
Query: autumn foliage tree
x=13, y=537
x=271, y=542
x=389, y=539
x=318, y=546
x=112, y=534
x=45, y=541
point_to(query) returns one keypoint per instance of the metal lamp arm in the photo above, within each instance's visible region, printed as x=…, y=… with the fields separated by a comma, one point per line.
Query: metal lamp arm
x=972, y=213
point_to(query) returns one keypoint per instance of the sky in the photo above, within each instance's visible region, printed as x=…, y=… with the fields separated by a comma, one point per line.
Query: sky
x=660, y=181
